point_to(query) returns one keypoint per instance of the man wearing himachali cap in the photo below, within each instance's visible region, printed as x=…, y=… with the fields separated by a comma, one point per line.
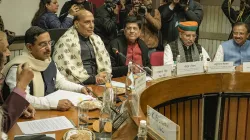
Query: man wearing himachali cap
x=184, y=45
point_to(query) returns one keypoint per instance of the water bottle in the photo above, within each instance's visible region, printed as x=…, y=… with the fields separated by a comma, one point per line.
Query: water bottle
x=142, y=131
x=129, y=79
x=105, y=119
x=178, y=60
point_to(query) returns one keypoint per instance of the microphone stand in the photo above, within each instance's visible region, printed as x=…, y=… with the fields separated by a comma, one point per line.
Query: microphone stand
x=137, y=65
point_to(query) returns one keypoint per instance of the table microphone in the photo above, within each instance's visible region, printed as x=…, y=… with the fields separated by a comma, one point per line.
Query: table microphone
x=145, y=69
x=69, y=72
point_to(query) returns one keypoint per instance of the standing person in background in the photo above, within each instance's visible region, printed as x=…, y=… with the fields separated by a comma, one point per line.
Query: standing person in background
x=234, y=16
x=46, y=17
x=178, y=11
x=151, y=23
x=80, y=3
x=106, y=21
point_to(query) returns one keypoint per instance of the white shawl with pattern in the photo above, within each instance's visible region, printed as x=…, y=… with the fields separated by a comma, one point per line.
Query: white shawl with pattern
x=67, y=55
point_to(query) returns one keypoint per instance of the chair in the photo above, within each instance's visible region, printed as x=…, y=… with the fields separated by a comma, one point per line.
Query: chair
x=156, y=58
x=55, y=34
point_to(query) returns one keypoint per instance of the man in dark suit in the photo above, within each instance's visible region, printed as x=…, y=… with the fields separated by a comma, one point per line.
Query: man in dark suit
x=16, y=104
x=129, y=45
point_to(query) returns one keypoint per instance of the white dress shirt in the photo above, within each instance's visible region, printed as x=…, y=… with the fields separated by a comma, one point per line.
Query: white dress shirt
x=168, y=56
x=219, y=56
x=42, y=102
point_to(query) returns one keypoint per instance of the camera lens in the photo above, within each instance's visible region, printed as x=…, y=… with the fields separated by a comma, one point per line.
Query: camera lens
x=141, y=11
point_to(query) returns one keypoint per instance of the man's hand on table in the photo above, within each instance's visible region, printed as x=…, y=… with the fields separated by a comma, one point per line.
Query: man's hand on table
x=29, y=112
x=64, y=105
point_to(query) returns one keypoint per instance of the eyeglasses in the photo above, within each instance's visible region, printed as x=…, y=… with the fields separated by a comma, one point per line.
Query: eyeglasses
x=130, y=28
x=45, y=44
x=238, y=33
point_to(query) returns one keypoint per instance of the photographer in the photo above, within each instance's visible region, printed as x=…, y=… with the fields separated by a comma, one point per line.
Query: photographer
x=81, y=3
x=177, y=11
x=151, y=22
x=106, y=21
x=234, y=16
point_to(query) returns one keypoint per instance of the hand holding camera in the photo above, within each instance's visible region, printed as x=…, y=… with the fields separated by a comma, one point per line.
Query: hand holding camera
x=183, y=4
x=73, y=10
x=142, y=10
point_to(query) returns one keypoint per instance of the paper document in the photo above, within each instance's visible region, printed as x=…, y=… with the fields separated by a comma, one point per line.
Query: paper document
x=45, y=125
x=118, y=84
x=74, y=97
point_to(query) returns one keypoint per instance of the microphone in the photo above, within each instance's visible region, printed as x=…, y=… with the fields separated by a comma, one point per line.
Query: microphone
x=145, y=69
x=69, y=72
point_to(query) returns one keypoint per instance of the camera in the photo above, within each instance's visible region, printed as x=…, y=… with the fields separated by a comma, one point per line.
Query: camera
x=142, y=9
x=183, y=3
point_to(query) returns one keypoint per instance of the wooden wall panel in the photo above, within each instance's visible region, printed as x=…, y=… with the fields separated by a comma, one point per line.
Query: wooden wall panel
x=187, y=122
x=232, y=123
x=195, y=117
x=181, y=119
x=242, y=119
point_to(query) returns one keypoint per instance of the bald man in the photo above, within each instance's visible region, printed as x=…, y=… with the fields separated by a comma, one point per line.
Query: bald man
x=80, y=54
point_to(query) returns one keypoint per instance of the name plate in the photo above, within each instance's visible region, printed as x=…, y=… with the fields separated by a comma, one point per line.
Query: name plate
x=161, y=71
x=220, y=67
x=190, y=67
x=140, y=82
x=163, y=126
x=246, y=66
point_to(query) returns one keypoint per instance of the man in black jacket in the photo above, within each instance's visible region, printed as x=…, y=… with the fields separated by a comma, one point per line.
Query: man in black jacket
x=106, y=21
x=234, y=16
x=131, y=46
x=177, y=11
x=80, y=3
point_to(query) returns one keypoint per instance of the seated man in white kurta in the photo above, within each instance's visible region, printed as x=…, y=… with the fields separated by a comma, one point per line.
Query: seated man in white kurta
x=185, y=45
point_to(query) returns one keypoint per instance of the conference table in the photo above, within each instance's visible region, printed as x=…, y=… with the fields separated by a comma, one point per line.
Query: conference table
x=183, y=99
x=71, y=114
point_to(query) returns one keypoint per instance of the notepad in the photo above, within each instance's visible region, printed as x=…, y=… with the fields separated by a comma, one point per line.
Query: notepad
x=74, y=97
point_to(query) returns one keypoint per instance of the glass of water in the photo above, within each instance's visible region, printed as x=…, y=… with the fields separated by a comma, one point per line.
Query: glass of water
x=83, y=115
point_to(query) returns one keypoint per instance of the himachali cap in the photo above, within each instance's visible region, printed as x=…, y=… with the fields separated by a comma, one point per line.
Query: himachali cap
x=187, y=26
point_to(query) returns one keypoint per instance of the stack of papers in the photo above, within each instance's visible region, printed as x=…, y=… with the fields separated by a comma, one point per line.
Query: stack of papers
x=45, y=125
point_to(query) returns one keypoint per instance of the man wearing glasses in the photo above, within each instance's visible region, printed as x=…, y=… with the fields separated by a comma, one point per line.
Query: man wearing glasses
x=46, y=76
x=185, y=45
x=236, y=49
x=131, y=46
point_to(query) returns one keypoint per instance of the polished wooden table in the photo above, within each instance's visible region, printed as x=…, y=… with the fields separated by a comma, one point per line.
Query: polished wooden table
x=72, y=115
x=182, y=100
